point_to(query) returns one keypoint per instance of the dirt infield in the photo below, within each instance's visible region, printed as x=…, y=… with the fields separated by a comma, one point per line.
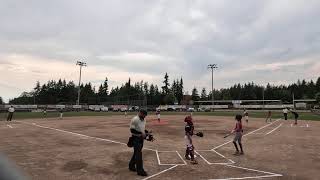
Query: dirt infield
x=95, y=148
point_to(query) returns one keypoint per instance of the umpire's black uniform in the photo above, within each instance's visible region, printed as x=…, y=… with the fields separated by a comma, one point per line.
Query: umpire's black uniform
x=137, y=129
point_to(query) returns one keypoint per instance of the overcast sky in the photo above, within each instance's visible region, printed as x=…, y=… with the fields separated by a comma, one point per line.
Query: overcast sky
x=276, y=41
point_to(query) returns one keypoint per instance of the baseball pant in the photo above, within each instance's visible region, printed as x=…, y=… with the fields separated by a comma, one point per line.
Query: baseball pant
x=136, y=160
x=9, y=118
x=237, y=137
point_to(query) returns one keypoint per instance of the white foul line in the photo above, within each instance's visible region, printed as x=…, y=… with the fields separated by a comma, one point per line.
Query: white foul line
x=261, y=128
x=9, y=126
x=252, y=177
x=77, y=134
x=160, y=172
x=82, y=135
x=274, y=129
x=245, y=135
x=254, y=170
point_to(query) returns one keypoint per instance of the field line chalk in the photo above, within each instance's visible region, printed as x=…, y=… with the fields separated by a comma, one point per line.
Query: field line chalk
x=160, y=172
x=274, y=129
x=209, y=163
x=73, y=133
x=255, y=170
x=158, y=157
x=252, y=177
x=181, y=158
x=223, y=156
x=82, y=135
x=245, y=135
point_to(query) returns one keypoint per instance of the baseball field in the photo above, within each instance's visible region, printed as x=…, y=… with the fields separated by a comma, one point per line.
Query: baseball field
x=94, y=147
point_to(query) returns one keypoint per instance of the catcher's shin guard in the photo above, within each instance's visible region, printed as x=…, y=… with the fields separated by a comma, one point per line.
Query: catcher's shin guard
x=187, y=154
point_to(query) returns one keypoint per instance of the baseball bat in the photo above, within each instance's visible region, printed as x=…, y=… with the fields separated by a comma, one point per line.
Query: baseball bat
x=227, y=135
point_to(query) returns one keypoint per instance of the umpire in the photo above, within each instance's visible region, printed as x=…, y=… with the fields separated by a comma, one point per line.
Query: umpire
x=137, y=129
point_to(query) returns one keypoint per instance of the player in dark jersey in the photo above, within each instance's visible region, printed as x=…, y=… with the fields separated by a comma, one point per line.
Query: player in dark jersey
x=296, y=116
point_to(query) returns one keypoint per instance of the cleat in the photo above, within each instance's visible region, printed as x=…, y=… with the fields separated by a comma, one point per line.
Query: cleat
x=143, y=173
x=133, y=169
x=236, y=153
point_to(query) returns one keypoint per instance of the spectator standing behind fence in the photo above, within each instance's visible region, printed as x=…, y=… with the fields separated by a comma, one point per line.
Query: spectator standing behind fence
x=10, y=113
x=285, y=113
x=61, y=113
x=45, y=112
x=269, y=115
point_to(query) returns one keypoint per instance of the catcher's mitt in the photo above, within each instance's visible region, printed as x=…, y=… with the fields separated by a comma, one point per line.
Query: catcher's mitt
x=149, y=136
x=200, y=134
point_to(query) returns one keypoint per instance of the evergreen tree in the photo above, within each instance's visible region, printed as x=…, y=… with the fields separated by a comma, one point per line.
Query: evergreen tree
x=318, y=85
x=195, y=94
x=152, y=94
x=317, y=97
x=165, y=88
x=204, y=94
x=179, y=94
x=105, y=87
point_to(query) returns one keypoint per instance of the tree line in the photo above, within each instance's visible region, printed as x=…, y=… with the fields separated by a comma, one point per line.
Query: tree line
x=143, y=93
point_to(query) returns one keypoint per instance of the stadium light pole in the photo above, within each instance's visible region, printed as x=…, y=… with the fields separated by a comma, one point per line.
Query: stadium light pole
x=81, y=64
x=212, y=67
x=263, y=96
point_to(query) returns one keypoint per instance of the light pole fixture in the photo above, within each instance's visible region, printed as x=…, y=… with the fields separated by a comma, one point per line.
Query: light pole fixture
x=212, y=67
x=81, y=64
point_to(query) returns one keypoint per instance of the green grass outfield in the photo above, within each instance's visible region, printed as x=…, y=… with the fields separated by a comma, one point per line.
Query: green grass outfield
x=255, y=114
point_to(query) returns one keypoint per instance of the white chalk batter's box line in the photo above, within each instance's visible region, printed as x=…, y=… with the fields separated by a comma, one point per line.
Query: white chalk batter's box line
x=7, y=126
x=211, y=163
x=161, y=164
x=304, y=126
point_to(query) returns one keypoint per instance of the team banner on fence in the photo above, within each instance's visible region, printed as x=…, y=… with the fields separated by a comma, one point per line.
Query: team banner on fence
x=22, y=106
x=213, y=106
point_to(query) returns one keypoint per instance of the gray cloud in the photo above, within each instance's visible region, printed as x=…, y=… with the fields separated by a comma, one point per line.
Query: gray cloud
x=179, y=37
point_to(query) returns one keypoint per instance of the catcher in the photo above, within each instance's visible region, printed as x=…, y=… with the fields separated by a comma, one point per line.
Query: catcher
x=189, y=128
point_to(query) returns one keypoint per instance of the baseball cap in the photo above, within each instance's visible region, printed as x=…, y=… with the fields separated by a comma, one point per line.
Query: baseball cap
x=144, y=112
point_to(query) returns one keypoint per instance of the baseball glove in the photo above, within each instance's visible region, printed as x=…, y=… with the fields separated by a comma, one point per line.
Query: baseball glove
x=149, y=136
x=130, y=142
x=200, y=134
